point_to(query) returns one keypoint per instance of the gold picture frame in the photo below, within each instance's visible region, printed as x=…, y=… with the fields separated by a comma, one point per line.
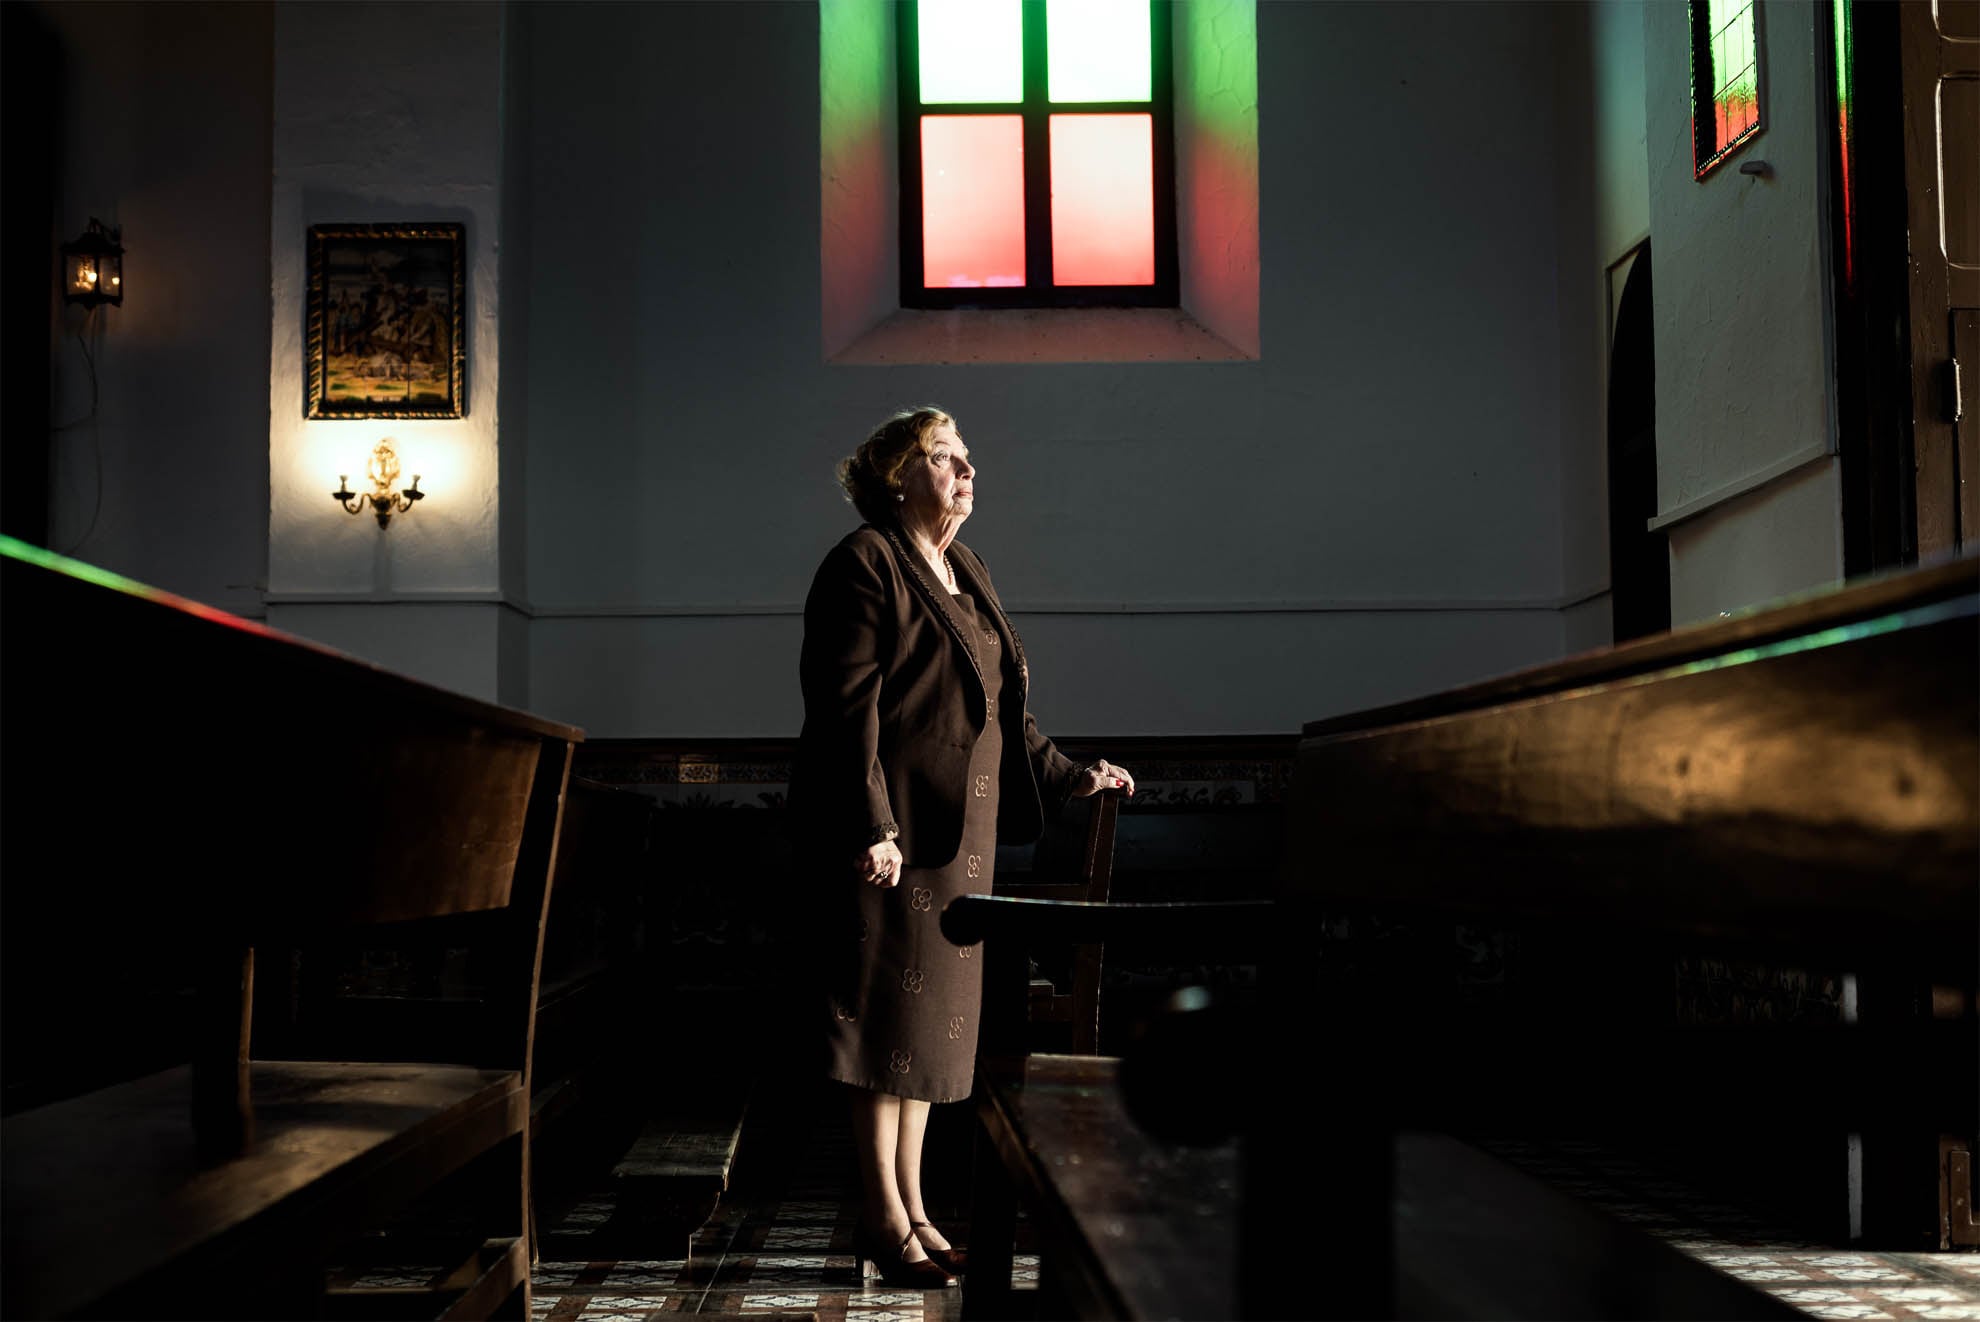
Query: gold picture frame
x=385, y=322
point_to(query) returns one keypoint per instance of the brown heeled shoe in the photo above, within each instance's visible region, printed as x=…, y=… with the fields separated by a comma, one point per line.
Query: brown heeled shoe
x=894, y=1268
x=951, y=1260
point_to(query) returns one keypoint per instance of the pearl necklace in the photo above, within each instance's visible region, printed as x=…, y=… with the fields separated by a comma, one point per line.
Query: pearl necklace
x=947, y=569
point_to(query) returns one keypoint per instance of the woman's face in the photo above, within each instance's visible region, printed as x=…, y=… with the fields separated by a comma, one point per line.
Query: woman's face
x=941, y=484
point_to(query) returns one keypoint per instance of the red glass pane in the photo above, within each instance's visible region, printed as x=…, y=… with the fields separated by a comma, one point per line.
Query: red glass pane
x=972, y=201
x=1103, y=200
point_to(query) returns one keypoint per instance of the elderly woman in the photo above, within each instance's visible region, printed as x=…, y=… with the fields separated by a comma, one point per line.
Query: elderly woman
x=917, y=758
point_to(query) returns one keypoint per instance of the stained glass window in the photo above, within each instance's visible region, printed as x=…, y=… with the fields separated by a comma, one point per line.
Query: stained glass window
x=1725, y=79
x=1036, y=154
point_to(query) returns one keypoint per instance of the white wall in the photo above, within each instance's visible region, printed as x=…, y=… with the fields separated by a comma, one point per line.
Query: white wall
x=858, y=169
x=165, y=133
x=1578, y=283
x=1401, y=493
x=1615, y=101
x=1604, y=213
x=1396, y=447
x=412, y=131
x=1745, y=479
x=1214, y=46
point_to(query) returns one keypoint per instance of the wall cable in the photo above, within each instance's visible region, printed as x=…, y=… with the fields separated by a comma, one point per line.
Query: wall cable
x=95, y=432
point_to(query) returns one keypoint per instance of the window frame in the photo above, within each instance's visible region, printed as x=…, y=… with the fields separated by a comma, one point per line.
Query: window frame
x=1035, y=110
x=1703, y=119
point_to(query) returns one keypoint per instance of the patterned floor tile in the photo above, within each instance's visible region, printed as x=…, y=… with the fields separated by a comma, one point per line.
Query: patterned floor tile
x=1871, y=1274
x=569, y=1277
x=636, y=1275
x=1829, y=1281
x=617, y=1309
x=774, y=1257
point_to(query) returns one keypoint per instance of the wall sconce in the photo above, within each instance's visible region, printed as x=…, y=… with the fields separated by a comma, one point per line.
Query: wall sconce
x=93, y=266
x=384, y=498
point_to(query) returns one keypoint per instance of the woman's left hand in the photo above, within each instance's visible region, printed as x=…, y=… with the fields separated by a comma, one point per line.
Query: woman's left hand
x=1102, y=775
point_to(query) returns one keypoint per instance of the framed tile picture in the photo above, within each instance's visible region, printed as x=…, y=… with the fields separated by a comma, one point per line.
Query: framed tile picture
x=384, y=310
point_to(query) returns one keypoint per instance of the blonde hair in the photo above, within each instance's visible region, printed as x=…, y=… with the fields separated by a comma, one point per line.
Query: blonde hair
x=871, y=475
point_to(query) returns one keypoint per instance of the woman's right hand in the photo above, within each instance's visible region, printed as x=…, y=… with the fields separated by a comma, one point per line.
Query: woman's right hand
x=880, y=865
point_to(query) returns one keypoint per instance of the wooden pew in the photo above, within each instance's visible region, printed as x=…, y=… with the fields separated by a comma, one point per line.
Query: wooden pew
x=180, y=788
x=596, y=989
x=1798, y=784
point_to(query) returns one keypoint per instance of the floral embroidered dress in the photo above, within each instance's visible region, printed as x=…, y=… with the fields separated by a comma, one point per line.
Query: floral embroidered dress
x=904, y=1009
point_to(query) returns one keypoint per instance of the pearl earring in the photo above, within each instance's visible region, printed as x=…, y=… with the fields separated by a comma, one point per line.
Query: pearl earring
x=900, y=497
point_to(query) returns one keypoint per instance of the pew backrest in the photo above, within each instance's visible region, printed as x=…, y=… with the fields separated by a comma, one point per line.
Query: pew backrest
x=1803, y=781
x=178, y=786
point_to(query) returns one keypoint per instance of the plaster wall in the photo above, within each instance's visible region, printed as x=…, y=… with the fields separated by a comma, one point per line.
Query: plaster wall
x=1744, y=369
x=410, y=132
x=456, y=645
x=166, y=481
x=1772, y=543
x=512, y=273
x=859, y=169
x=1583, y=360
x=1393, y=456
x=1602, y=202
x=1121, y=673
x=1614, y=46
x=1215, y=45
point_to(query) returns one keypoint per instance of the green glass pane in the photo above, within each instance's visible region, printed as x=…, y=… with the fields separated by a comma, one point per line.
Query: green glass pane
x=971, y=51
x=1097, y=50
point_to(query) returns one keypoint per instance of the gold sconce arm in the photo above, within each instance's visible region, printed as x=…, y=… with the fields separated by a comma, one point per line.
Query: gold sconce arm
x=383, y=498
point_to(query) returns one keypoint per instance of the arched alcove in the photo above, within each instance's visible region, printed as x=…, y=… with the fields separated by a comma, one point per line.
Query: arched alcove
x=1639, y=559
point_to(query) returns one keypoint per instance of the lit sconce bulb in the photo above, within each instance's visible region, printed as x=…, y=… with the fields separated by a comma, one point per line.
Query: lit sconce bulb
x=93, y=267
x=385, y=500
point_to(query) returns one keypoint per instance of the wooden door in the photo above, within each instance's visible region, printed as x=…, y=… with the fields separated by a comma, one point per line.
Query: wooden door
x=1940, y=43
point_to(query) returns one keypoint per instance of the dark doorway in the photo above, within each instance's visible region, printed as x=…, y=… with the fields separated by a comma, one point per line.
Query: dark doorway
x=1639, y=560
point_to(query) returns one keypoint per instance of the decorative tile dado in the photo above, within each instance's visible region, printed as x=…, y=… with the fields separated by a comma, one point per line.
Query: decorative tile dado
x=1714, y=992
x=1169, y=772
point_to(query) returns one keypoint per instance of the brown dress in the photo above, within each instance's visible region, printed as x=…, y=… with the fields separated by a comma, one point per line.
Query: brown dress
x=903, y=1009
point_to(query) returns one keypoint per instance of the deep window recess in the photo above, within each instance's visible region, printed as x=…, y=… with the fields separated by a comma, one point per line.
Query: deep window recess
x=1037, y=158
x=1727, y=80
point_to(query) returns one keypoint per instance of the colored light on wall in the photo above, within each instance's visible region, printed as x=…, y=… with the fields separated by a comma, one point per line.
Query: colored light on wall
x=1103, y=200
x=972, y=201
x=971, y=51
x=1845, y=136
x=1097, y=50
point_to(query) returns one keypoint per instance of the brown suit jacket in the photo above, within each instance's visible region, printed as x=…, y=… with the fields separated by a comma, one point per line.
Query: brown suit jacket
x=893, y=703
